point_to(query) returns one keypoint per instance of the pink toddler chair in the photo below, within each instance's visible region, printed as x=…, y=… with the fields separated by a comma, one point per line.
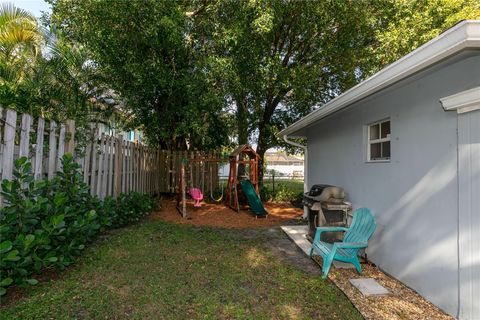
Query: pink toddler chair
x=197, y=196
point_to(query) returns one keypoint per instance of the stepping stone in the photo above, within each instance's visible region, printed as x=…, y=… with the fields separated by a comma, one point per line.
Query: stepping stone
x=369, y=287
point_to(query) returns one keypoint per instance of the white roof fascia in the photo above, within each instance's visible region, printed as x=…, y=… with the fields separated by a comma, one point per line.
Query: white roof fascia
x=462, y=102
x=465, y=34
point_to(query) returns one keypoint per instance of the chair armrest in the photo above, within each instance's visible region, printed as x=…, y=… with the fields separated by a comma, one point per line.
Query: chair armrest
x=350, y=245
x=327, y=229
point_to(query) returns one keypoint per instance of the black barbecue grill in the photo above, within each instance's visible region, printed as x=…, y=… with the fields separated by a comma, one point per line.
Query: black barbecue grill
x=326, y=207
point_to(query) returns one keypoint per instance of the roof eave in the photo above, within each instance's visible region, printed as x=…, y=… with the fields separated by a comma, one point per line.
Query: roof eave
x=464, y=35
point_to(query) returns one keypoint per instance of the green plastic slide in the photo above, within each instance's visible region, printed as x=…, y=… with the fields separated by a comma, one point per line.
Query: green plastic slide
x=256, y=205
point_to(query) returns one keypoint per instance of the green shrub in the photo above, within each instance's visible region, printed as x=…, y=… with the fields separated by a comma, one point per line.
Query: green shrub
x=131, y=207
x=284, y=191
x=265, y=193
x=46, y=224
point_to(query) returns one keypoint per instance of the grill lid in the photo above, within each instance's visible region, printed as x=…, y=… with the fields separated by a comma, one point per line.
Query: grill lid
x=317, y=189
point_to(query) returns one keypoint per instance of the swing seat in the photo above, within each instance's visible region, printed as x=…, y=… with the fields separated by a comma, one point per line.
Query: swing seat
x=197, y=196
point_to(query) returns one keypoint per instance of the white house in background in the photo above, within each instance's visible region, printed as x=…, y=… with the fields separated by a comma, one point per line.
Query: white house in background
x=109, y=129
x=406, y=143
x=286, y=165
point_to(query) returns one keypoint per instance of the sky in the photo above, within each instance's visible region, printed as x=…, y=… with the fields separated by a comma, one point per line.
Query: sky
x=33, y=6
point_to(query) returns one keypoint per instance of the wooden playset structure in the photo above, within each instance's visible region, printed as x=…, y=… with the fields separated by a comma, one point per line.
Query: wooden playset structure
x=242, y=183
x=243, y=165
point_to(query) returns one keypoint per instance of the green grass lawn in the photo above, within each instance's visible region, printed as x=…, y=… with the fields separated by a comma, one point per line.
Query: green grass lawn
x=161, y=271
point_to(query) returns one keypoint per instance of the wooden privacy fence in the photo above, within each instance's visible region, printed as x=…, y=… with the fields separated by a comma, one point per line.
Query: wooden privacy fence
x=43, y=142
x=109, y=164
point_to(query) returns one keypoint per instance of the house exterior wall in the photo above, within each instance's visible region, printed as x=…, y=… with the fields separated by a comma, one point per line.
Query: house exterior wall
x=469, y=213
x=414, y=196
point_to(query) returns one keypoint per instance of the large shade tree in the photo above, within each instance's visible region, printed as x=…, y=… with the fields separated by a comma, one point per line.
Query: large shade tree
x=278, y=59
x=188, y=68
x=144, y=50
x=411, y=23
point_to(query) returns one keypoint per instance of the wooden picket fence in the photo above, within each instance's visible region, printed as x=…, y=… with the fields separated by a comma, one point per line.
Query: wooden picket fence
x=44, y=146
x=110, y=165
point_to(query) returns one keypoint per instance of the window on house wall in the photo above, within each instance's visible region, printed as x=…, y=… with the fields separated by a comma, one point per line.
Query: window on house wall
x=378, y=147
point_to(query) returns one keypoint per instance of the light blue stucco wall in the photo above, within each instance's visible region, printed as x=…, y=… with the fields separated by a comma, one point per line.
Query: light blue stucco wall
x=415, y=196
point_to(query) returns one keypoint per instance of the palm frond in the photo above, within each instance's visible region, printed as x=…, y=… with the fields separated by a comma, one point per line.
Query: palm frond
x=9, y=12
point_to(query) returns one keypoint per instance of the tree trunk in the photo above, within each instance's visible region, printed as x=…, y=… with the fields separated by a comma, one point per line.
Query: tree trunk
x=262, y=146
x=242, y=123
x=242, y=127
x=261, y=149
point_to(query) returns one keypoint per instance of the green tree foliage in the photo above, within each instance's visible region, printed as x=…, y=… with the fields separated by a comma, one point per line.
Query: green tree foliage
x=189, y=69
x=42, y=74
x=19, y=35
x=411, y=23
x=144, y=50
x=278, y=59
x=20, y=44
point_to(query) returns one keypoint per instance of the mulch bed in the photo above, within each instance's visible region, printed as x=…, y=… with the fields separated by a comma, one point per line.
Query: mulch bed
x=219, y=215
x=402, y=303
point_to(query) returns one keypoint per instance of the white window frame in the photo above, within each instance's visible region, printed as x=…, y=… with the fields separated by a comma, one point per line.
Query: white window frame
x=386, y=139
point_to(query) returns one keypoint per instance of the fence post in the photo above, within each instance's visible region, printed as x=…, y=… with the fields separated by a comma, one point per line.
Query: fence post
x=111, y=155
x=183, y=187
x=100, y=178
x=61, y=147
x=117, y=187
x=70, y=136
x=124, y=166
x=273, y=181
x=25, y=135
x=52, y=149
x=9, y=139
x=38, y=168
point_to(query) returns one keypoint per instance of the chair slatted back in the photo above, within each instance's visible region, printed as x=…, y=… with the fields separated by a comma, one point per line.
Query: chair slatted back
x=362, y=227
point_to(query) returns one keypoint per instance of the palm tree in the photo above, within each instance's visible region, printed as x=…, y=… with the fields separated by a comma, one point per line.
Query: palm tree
x=43, y=74
x=20, y=45
x=19, y=32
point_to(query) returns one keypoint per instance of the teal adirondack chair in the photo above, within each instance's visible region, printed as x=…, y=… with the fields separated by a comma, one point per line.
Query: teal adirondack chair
x=355, y=238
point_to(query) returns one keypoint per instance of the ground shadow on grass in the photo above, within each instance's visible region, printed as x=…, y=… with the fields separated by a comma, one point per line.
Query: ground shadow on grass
x=280, y=245
x=158, y=270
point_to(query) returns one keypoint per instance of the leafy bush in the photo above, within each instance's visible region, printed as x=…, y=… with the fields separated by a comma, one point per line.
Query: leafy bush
x=46, y=224
x=265, y=193
x=285, y=191
x=131, y=207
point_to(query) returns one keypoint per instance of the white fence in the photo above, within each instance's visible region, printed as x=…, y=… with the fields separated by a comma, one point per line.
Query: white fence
x=43, y=142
